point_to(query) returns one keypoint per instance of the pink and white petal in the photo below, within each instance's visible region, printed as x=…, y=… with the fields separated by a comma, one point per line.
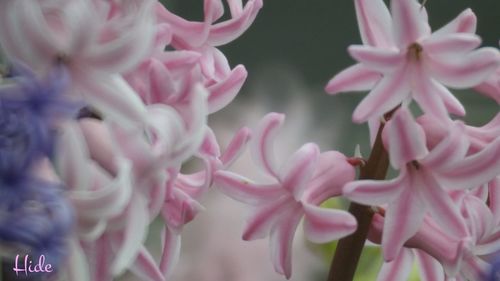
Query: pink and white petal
x=377, y=59
x=100, y=143
x=373, y=192
x=494, y=198
x=236, y=146
x=213, y=10
x=145, y=267
x=29, y=22
x=331, y=174
x=170, y=252
x=464, y=71
x=123, y=52
x=227, y=31
x=491, y=86
x=243, y=190
x=374, y=21
x=107, y=197
x=128, y=242
x=402, y=220
x=236, y=7
x=187, y=34
x=398, y=269
x=323, y=225
x=409, y=22
x=72, y=156
x=262, y=144
x=404, y=138
x=451, y=44
x=77, y=268
x=479, y=216
x=114, y=96
x=424, y=93
x=450, y=150
x=452, y=104
x=387, y=94
x=265, y=217
x=209, y=146
x=439, y=204
x=430, y=269
x=281, y=241
x=298, y=169
x=222, y=93
x=474, y=170
x=465, y=22
x=354, y=78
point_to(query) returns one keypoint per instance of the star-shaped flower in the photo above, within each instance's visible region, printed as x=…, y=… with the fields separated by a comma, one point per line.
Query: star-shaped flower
x=401, y=59
x=303, y=182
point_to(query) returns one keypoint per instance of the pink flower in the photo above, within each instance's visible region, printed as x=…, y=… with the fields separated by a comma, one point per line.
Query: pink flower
x=304, y=181
x=424, y=179
x=89, y=38
x=402, y=60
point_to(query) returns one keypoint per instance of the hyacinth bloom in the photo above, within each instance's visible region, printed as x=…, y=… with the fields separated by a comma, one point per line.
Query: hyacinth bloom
x=425, y=176
x=88, y=38
x=35, y=217
x=299, y=186
x=401, y=59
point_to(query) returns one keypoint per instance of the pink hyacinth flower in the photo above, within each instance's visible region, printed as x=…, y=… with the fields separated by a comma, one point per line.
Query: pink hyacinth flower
x=401, y=59
x=88, y=37
x=423, y=181
x=305, y=180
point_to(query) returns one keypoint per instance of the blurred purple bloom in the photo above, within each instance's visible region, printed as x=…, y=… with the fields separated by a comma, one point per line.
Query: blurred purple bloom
x=29, y=108
x=494, y=274
x=35, y=219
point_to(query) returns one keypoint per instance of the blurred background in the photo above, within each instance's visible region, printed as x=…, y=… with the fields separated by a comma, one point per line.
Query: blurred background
x=291, y=51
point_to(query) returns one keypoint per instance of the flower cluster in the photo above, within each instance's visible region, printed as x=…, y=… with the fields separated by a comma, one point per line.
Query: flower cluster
x=107, y=101
x=444, y=201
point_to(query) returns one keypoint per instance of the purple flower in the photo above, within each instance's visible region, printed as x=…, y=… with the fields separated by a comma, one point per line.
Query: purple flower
x=35, y=219
x=494, y=274
x=29, y=108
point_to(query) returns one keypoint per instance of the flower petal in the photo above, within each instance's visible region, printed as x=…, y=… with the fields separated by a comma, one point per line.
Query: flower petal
x=170, y=252
x=409, y=22
x=465, y=71
x=129, y=241
x=465, y=22
x=403, y=138
x=222, y=93
x=145, y=267
x=373, y=192
x=387, y=94
x=236, y=146
x=241, y=189
x=402, y=220
x=324, y=225
x=355, y=78
x=262, y=145
x=454, y=43
x=398, y=269
x=298, y=170
x=374, y=21
x=475, y=169
x=260, y=223
x=430, y=269
x=281, y=242
x=377, y=59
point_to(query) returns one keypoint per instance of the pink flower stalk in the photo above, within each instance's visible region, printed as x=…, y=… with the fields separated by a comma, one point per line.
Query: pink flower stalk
x=425, y=176
x=401, y=60
x=299, y=186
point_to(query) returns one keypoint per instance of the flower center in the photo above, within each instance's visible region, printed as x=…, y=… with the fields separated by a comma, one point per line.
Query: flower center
x=415, y=52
